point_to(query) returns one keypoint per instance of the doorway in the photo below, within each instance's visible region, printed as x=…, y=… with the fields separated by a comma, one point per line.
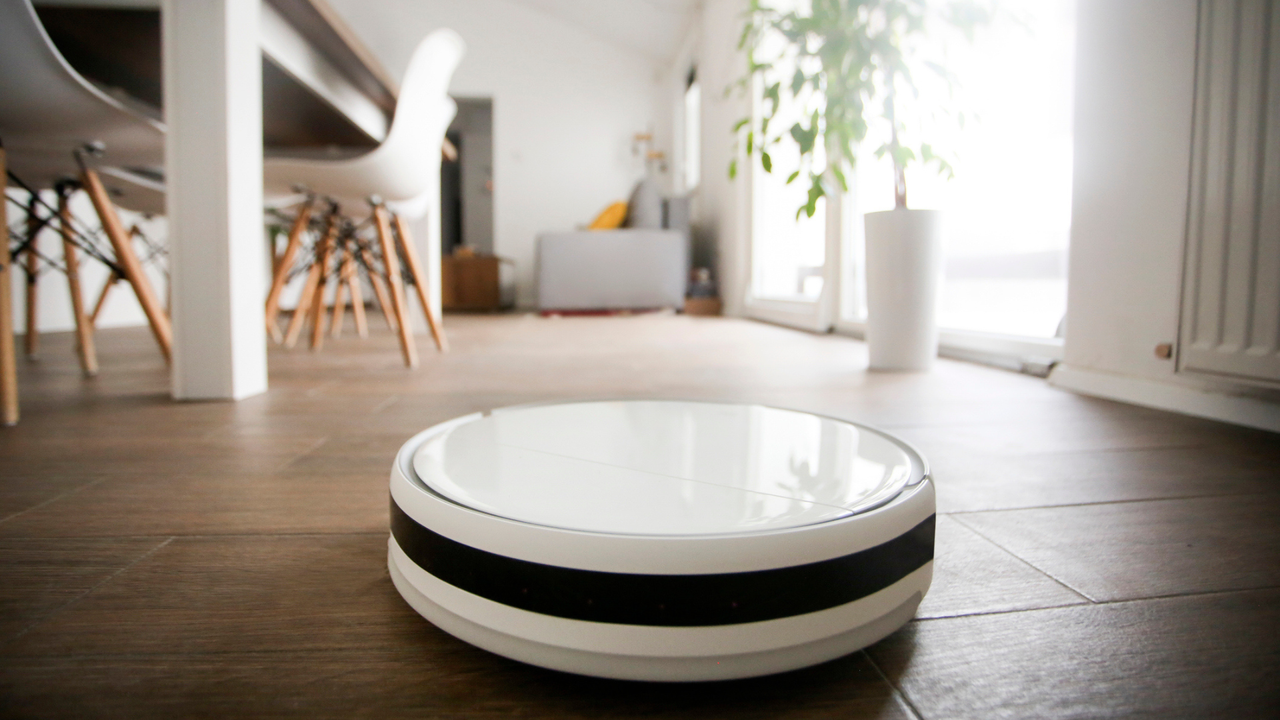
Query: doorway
x=466, y=182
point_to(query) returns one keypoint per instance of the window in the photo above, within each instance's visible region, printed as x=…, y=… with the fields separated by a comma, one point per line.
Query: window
x=691, y=166
x=789, y=251
x=1009, y=206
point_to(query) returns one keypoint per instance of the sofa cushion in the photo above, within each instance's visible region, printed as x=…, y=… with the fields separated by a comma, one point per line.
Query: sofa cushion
x=611, y=218
x=644, y=210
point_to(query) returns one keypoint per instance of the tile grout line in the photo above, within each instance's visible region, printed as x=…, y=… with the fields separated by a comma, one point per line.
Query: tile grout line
x=1023, y=560
x=84, y=594
x=392, y=400
x=54, y=499
x=897, y=691
x=1100, y=603
x=1174, y=596
x=1207, y=496
x=295, y=458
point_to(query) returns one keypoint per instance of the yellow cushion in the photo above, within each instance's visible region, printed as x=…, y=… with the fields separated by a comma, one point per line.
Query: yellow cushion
x=611, y=218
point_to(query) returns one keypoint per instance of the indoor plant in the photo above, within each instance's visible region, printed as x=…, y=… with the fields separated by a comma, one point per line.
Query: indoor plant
x=852, y=65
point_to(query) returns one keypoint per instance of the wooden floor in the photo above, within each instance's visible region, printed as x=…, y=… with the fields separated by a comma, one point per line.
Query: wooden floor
x=229, y=560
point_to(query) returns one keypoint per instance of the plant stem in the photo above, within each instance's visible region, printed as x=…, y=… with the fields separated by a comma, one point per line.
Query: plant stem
x=899, y=172
x=899, y=187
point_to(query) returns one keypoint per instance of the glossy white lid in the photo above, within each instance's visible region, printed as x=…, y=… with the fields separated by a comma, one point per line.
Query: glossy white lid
x=664, y=467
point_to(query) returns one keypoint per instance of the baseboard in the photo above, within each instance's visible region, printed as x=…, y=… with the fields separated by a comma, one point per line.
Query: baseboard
x=1186, y=399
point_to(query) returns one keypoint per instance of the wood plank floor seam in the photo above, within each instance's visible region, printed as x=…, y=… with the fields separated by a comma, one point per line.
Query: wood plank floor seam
x=1095, y=603
x=1023, y=560
x=53, y=499
x=51, y=614
x=897, y=691
x=1170, y=498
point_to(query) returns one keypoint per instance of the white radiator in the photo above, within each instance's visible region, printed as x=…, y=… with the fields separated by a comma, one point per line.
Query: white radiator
x=1230, y=322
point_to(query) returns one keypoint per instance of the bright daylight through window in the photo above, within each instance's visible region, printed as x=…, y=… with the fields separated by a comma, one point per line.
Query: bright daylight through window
x=692, y=166
x=1008, y=209
x=788, y=249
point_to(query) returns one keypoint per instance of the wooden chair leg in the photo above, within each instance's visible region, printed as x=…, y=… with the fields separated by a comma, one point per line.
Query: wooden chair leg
x=419, y=283
x=379, y=290
x=325, y=263
x=8, y=360
x=357, y=299
x=308, y=296
x=129, y=263
x=281, y=277
x=339, y=301
x=32, y=339
x=84, y=330
x=392, y=263
x=303, y=309
x=112, y=279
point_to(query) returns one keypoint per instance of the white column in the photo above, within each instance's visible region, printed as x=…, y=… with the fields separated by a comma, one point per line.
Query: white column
x=213, y=171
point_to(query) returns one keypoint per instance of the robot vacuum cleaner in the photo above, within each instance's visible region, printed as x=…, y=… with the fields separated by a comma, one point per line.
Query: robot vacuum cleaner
x=661, y=540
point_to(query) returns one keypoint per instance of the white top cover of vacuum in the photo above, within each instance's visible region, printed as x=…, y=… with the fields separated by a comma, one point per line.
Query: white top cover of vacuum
x=664, y=467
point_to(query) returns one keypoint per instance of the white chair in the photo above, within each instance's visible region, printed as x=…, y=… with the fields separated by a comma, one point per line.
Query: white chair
x=402, y=174
x=48, y=112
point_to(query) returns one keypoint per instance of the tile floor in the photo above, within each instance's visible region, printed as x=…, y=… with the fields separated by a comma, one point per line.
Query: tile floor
x=218, y=559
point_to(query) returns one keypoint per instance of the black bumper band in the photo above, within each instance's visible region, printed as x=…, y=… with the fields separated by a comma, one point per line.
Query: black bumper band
x=664, y=600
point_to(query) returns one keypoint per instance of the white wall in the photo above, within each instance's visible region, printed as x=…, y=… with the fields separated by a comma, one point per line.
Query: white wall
x=1135, y=80
x=565, y=108
x=718, y=204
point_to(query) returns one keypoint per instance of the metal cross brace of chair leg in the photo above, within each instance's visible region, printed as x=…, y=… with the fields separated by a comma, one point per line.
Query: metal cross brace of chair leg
x=340, y=257
x=130, y=265
x=125, y=263
x=342, y=254
x=73, y=239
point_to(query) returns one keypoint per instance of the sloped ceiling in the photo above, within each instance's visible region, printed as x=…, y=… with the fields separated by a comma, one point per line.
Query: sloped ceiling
x=650, y=27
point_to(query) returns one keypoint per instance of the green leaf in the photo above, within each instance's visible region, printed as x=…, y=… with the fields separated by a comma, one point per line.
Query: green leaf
x=816, y=191
x=793, y=177
x=835, y=170
x=740, y=124
x=797, y=81
x=766, y=162
x=804, y=137
x=733, y=168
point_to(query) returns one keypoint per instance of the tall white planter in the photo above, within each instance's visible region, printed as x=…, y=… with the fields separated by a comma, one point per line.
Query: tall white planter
x=904, y=276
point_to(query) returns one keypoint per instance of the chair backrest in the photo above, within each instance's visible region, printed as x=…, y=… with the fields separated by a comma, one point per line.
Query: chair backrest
x=424, y=203
x=415, y=129
x=424, y=89
x=407, y=163
x=47, y=109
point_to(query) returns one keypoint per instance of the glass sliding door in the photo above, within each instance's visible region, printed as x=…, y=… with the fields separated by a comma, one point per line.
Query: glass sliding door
x=793, y=257
x=1009, y=207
